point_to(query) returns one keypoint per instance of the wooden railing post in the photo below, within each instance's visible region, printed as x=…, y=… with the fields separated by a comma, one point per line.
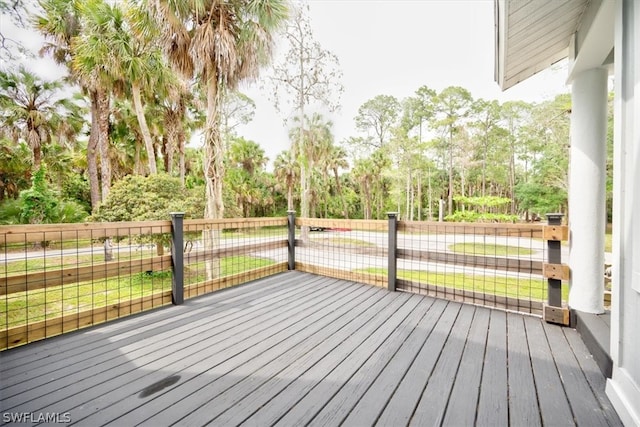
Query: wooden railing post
x=177, y=258
x=291, y=224
x=554, y=270
x=392, y=251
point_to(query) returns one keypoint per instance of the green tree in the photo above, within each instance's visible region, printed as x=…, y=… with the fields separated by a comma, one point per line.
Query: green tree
x=246, y=161
x=42, y=205
x=287, y=172
x=15, y=173
x=377, y=117
x=488, y=133
x=307, y=75
x=515, y=114
x=60, y=22
x=451, y=110
x=222, y=45
x=139, y=198
x=33, y=110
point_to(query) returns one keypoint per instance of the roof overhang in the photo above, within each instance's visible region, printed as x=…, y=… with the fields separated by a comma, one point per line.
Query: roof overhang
x=532, y=35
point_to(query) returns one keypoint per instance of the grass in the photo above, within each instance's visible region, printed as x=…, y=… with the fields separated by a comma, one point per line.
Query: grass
x=534, y=289
x=34, y=306
x=33, y=265
x=489, y=249
x=608, y=242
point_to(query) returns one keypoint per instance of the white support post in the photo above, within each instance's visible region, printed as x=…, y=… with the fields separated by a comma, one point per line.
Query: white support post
x=587, y=191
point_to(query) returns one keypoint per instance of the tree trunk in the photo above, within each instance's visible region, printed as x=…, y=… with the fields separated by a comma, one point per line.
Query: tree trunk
x=214, y=171
x=92, y=154
x=450, y=195
x=144, y=129
x=345, y=209
x=103, y=141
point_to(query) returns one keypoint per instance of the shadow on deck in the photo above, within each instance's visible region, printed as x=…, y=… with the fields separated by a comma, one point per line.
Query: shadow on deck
x=301, y=349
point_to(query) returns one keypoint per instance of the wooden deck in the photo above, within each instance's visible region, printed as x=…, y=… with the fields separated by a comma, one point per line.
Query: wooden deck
x=299, y=349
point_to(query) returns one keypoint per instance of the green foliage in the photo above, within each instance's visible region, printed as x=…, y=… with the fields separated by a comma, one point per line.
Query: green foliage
x=486, y=201
x=15, y=170
x=10, y=211
x=476, y=248
x=470, y=216
x=76, y=187
x=41, y=205
x=540, y=199
x=138, y=198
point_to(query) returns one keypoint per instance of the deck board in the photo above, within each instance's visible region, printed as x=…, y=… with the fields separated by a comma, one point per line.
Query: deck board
x=523, y=401
x=301, y=349
x=433, y=403
x=464, y=395
x=493, y=402
x=552, y=399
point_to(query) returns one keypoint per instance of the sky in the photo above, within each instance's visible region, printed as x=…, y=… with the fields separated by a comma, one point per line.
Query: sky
x=390, y=47
x=394, y=47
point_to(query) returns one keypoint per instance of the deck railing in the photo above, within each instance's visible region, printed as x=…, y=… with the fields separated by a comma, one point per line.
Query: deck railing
x=495, y=265
x=61, y=277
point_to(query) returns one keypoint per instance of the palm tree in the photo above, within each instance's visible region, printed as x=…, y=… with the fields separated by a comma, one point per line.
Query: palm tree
x=336, y=160
x=15, y=174
x=222, y=43
x=138, y=61
x=287, y=171
x=248, y=155
x=364, y=173
x=60, y=24
x=31, y=112
x=316, y=138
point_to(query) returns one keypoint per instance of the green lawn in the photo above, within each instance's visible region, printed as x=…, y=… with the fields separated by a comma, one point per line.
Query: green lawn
x=498, y=284
x=33, y=306
x=489, y=249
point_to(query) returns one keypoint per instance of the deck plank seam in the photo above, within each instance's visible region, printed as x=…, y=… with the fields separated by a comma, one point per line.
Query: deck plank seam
x=432, y=317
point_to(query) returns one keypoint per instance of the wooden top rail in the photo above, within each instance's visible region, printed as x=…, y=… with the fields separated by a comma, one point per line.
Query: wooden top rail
x=351, y=224
x=232, y=223
x=87, y=230
x=498, y=229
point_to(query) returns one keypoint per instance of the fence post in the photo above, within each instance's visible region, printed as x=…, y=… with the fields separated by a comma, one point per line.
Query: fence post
x=392, y=251
x=177, y=258
x=291, y=224
x=554, y=270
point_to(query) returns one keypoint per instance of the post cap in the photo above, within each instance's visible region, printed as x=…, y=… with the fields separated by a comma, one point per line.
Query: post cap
x=554, y=215
x=178, y=214
x=392, y=214
x=554, y=218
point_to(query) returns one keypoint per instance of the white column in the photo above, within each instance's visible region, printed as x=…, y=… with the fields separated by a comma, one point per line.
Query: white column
x=587, y=197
